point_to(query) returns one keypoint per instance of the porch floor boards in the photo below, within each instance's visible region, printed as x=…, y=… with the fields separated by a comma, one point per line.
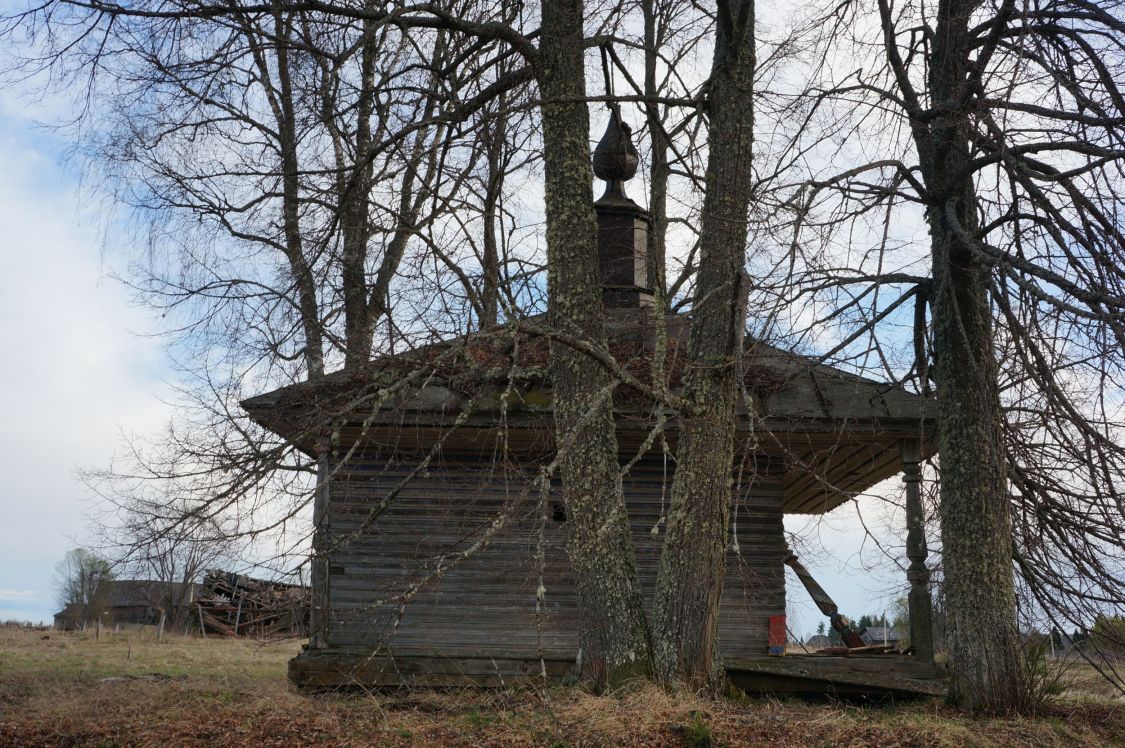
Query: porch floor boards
x=867, y=674
x=875, y=675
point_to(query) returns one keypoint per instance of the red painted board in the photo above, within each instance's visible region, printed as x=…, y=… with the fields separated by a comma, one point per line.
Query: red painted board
x=777, y=635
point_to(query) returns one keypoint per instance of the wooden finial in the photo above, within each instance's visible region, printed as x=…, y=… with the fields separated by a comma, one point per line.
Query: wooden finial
x=615, y=158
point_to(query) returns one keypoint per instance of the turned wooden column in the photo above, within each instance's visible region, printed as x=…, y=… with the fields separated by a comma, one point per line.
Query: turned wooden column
x=921, y=606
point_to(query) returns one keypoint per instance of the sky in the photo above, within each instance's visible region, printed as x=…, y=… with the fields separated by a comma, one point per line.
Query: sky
x=81, y=367
x=77, y=368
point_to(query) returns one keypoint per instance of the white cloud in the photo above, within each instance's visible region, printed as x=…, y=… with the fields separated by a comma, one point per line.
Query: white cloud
x=73, y=373
x=10, y=596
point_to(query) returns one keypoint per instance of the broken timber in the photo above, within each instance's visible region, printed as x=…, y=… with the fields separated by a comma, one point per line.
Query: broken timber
x=848, y=675
x=839, y=622
x=238, y=605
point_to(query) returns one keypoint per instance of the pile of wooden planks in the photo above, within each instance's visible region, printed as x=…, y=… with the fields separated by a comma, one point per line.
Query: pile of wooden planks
x=238, y=605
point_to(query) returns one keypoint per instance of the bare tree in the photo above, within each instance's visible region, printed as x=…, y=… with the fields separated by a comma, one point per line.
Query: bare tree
x=614, y=638
x=173, y=547
x=685, y=623
x=287, y=163
x=84, y=580
x=1001, y=121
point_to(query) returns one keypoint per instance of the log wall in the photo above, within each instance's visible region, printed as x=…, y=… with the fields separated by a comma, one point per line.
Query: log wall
x=395, y=540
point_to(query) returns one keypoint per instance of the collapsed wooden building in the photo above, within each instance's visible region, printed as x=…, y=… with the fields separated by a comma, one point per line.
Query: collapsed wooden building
x=230, y=604
x=440, y=549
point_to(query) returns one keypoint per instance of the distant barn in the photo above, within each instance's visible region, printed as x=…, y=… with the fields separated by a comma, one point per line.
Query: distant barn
x=130, y=601
x=876, y=635
x=440, y=561
x=817, y=641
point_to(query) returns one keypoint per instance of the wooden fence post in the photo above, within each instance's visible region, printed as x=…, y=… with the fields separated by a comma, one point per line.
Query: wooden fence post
x=238, y=614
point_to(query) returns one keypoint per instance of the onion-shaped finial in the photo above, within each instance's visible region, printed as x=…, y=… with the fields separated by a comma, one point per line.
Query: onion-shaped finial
x=615, y=157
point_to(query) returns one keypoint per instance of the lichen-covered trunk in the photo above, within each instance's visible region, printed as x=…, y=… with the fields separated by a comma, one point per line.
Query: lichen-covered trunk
x=613, y=635
x=986, y=661
x=692, y=567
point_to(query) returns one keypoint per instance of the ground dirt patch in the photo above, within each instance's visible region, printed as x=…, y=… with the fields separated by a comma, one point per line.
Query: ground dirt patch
x=130, y=690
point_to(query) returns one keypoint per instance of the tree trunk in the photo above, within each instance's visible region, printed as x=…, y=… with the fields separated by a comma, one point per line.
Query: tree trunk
x=283, y=108
x=988, y=672
x=490, y=261
x=987, y=665
x=659, y=172
x=690, y=582
x=613, y=637
x=355, y=223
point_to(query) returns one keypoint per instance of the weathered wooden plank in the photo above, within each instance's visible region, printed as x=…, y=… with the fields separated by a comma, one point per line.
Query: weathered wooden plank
x=872, y=675
x=819, y=500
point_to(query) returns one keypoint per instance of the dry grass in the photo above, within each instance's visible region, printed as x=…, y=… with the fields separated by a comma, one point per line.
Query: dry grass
x=1082, y=681
x=131, y=690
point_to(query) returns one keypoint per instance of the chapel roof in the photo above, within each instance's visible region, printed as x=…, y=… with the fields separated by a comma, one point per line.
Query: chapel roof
x=837, y=432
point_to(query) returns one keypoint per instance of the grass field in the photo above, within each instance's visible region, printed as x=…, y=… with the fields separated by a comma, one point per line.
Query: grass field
x=130, y=690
